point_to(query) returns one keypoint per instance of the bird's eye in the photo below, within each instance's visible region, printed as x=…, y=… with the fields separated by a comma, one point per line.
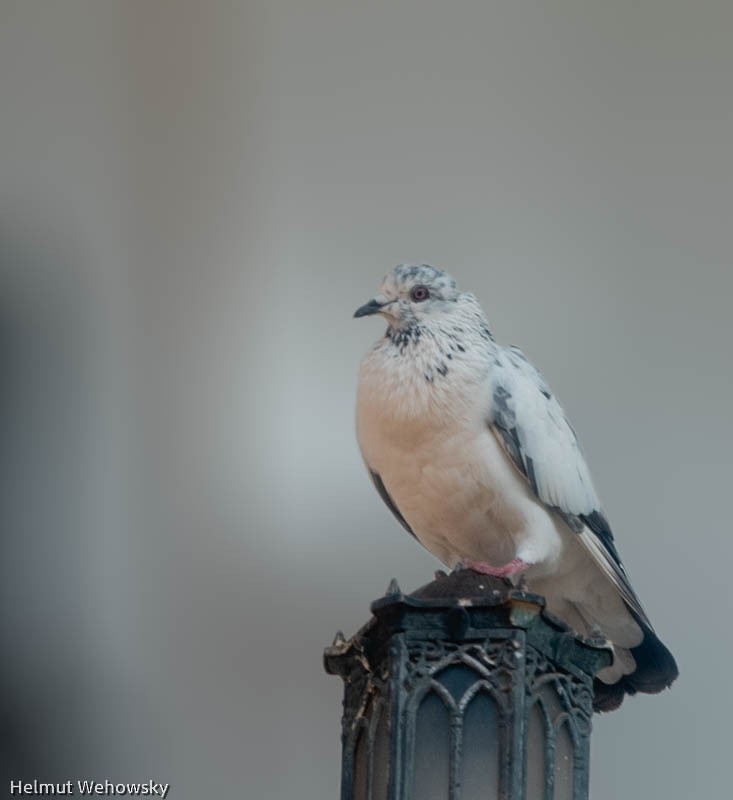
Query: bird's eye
x=419, y=293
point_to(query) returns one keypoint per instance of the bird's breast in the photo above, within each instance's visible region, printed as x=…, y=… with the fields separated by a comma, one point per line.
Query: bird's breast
x=444, y=470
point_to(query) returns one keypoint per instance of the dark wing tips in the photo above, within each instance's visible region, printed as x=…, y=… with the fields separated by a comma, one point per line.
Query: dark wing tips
x=602, y=529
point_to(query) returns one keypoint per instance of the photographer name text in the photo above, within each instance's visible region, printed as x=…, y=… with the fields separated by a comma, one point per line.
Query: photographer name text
x=90, y=788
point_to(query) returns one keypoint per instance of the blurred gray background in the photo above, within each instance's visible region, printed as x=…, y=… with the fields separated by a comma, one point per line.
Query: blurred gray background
x=194, y=197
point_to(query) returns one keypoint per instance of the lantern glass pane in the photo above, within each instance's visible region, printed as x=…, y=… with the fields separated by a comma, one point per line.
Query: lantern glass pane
x=361, y=766
x=564, y=752
x=380, y=768
x=481, y=749
x=551, y=701
x=432, y=750
x=457, y=679
x=535, y=771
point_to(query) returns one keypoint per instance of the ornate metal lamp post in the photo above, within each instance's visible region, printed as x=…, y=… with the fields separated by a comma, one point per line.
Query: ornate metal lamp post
x=465, y=689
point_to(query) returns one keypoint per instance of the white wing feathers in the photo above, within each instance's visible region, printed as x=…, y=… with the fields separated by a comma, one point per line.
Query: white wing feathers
x=547, y=447
x=537, y=436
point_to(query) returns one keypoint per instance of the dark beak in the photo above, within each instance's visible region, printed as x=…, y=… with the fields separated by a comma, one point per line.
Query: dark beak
x=372, y=307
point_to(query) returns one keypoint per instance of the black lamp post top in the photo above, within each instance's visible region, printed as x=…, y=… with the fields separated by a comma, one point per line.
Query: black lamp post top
x=466, y=688
x=464, y=605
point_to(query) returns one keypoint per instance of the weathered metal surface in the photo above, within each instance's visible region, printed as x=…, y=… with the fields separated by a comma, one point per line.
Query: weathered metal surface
x=461, y=636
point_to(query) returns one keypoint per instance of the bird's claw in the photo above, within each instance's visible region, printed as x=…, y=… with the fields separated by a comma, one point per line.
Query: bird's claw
x=514, y=567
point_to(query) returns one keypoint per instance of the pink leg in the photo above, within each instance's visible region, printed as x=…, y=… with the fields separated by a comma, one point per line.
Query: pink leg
x=514, y=567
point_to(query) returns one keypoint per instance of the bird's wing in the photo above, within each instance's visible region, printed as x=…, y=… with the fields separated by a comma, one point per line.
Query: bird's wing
x=388, y=501
x=537, y=436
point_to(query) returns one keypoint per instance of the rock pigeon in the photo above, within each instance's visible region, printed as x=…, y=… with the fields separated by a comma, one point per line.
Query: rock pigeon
x=473, y=454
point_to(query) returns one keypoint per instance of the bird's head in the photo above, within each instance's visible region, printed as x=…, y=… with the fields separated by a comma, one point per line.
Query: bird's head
x=410, y=294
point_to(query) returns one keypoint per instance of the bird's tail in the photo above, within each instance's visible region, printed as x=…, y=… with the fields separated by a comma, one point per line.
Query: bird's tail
x=655, y=670
x=586, y=599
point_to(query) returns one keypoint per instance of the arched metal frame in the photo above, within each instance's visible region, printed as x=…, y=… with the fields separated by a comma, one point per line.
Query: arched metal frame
x=491, y=661
x=552, y=687
x=491, y=638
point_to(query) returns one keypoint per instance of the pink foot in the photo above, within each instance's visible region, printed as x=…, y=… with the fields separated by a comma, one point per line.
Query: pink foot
x=514, y=567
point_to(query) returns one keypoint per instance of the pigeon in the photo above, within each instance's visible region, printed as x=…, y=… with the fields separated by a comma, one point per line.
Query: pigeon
x=471, y=451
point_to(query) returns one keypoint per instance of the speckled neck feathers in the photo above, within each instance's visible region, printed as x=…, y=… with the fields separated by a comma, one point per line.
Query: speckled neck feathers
x=432, y=365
